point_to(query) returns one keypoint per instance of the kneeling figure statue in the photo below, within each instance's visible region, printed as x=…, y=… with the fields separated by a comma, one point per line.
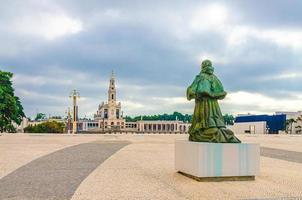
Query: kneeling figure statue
x=208, y=123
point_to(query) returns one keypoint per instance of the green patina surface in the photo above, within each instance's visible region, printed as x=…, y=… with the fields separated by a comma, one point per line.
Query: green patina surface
x=207, y=123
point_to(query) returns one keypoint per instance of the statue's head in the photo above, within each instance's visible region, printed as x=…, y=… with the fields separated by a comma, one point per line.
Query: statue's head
x=206, y=67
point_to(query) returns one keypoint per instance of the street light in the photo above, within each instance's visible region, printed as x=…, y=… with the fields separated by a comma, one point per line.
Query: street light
x=68, y=120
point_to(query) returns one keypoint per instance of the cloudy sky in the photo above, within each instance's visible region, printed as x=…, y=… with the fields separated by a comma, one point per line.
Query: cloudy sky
x=155, y=49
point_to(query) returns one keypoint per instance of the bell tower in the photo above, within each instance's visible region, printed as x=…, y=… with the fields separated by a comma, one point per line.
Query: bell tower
x=109, y=114
x=112, y=91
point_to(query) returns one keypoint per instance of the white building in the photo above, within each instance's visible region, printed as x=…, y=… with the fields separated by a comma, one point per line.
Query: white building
x=249, y=127
x=154, y=126
x=259, y=124
x=143, y=126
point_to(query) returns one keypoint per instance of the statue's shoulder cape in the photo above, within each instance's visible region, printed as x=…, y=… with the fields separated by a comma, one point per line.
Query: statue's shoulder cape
x=206, y=85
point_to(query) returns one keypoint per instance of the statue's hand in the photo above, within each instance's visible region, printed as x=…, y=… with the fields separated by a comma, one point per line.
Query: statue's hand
x=190, y=94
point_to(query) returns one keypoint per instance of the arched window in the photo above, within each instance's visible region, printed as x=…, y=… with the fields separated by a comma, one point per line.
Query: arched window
x=112, y=96
x=106, y=113
x=117, y=113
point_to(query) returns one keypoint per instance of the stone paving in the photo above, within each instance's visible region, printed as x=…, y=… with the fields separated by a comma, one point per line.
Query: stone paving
x=291, y=156
x=134, y=167
x=57, y=175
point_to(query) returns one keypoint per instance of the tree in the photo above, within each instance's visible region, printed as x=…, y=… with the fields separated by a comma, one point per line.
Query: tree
x=58, y=117
x=228, y=119
x=163, y=117
x=289, y=125
x=298, y=128
x=46, y=127
x=40, y=116
x=11, y=109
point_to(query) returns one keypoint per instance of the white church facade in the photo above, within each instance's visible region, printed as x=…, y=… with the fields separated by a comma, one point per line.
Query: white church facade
x=109, y=114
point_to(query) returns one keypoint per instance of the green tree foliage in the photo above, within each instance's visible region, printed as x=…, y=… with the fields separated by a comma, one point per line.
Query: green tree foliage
x=163, y=117
x=11, y=109
x=46, y=127
x=228, y=119
x=289, y=125
x=40, y=116
x=56, y=117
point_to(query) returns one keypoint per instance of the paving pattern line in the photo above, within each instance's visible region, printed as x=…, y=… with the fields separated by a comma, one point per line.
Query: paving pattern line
x=291, y=156
x=58, y=174
x=278, y=198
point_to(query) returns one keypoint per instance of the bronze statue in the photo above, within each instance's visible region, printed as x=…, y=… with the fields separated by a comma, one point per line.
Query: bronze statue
x=208, y=123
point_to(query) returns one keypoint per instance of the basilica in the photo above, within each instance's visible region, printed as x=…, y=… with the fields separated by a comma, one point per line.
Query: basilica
x=109, y=113
x=109, y=118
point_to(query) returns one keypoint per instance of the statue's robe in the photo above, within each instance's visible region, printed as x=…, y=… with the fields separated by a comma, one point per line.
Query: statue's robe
x=208, y=123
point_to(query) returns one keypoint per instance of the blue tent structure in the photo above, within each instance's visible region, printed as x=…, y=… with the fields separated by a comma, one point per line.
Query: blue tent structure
x=274, y=123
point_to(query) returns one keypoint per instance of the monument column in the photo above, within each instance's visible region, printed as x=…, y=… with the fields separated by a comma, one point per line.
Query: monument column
x=74, y=95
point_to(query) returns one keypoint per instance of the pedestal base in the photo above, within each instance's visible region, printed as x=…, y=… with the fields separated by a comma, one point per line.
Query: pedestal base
x=219, y=179
x=217, y=161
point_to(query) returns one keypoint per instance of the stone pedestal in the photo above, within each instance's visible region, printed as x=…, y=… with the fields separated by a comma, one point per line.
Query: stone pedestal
x=217, y=161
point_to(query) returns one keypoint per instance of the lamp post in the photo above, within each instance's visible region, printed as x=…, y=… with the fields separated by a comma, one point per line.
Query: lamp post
x=103, y=124
x=74, y=95
x=68, y=121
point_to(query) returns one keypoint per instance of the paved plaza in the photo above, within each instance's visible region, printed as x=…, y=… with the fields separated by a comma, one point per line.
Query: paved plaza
x=134, y=167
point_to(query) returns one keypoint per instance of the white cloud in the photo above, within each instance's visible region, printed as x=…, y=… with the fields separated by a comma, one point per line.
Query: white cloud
x=24, y=79
x=113, y=13
x=131, y=105
x=87, y=106
x=287, y=38
x=213, y=16
x=215, y=58
x=220, y=19
x=283, y=76
x=56, y=75
x=47, y=25
x=170, y=100
x=239, y=34
x=243, y=101
x=31, y=95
